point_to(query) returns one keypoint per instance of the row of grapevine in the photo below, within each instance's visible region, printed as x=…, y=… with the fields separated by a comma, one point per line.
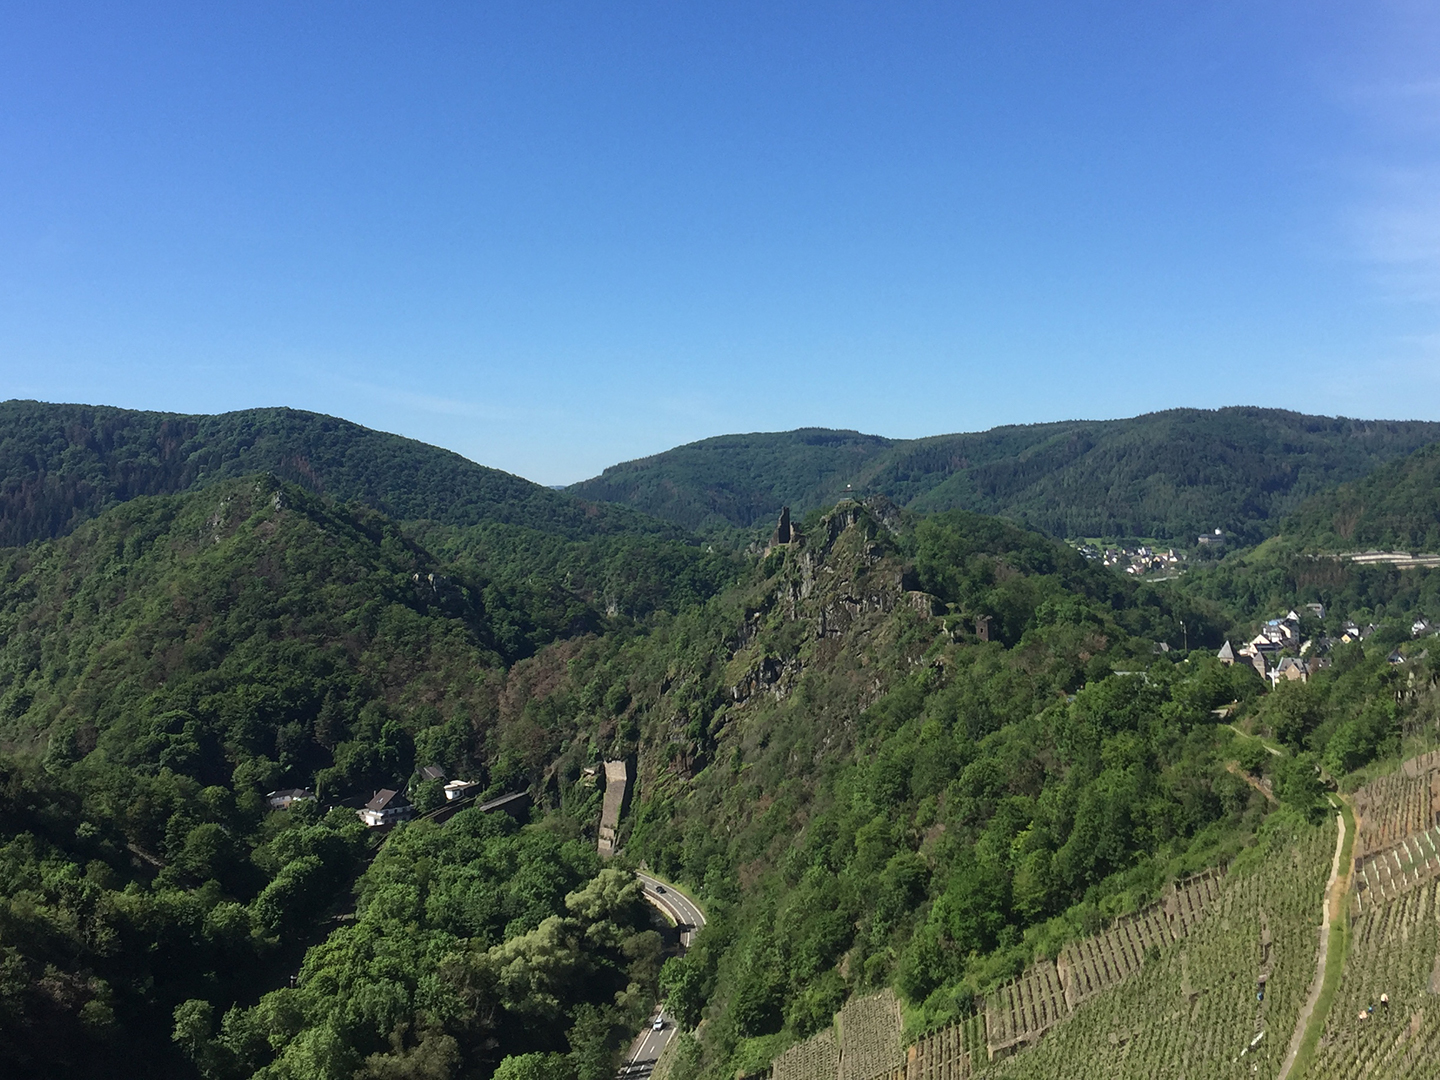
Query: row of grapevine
x=1231, y=962
x=870, y=1037
x=1383, y=875
x=1185, y=902
x=1393, y=952
x=1397, y=806
x=817, y=1058
x=1236, y=947
x=947, y=1054
x=865, y=1043
x=1196, y=1010
x=1020, y=1011
x=1092, y=965
x=1422, y=764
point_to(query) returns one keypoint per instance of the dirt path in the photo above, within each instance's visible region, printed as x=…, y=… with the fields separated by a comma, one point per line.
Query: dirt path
x=1269, y=749
x=1334, y=913
x=1234, y=767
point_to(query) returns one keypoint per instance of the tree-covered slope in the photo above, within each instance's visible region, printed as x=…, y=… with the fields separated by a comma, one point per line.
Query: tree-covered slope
x=1397, y=507
x=901, y=751
x=167, y=663
x=207, y=631
x=1169, y=474
x=161, y=668
x=867, y=794
x=63, y=464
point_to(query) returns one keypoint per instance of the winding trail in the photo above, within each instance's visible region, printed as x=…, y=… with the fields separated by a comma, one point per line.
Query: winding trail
x=1329, y=963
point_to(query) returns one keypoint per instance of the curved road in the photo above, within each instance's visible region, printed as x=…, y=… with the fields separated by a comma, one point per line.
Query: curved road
x=674, y=905
x=686, y=915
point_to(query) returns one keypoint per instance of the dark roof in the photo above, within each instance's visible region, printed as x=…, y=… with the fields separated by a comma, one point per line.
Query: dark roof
x=385, y=798
x=291, y=793
x=433, y=772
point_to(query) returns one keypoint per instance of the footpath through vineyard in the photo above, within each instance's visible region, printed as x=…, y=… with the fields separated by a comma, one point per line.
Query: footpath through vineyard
x=1330, y=953
x=1224, y=976
x=1386, y=1017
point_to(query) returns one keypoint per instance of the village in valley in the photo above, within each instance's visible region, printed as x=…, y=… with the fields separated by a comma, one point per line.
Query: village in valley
x=1294, y=646
x=1146, y=556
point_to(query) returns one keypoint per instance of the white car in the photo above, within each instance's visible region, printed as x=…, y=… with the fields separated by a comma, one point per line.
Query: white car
x=659, y=1024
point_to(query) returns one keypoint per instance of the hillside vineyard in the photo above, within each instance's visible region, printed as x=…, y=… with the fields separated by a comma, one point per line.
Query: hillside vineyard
x=1073, y=750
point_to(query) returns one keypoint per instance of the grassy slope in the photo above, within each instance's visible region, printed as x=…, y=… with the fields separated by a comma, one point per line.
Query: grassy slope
x=1168, y=474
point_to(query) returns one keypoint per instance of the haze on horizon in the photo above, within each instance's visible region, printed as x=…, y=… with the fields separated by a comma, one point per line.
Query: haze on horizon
x=554, y=236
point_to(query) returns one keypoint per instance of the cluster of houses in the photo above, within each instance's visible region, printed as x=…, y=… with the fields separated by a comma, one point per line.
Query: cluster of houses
x=1292, y=668
x=388, y=805
x=1278, y=653
x=1142, y=559
x=1278, y=636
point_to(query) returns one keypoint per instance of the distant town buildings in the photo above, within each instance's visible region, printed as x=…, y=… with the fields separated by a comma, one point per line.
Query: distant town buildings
x=1142, y=559
x=1146, y=558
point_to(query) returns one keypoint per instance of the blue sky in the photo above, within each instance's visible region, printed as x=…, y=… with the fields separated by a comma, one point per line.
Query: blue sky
x=556, y=236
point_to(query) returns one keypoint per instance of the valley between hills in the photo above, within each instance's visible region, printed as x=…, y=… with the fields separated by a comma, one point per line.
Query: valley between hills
x=328, y=754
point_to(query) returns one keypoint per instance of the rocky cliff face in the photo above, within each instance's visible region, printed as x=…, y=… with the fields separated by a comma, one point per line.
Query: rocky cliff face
x=840, y=583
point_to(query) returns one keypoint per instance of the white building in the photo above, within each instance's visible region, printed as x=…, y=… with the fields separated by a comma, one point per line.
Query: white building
x=286, y=797
x=386, y=807
x=459, y=789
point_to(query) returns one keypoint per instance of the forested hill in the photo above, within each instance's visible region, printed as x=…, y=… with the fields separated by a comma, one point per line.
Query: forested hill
x=63, y=464
x=915, y=753
x=1397, y=507
x=1170, y=474
x=171, y=661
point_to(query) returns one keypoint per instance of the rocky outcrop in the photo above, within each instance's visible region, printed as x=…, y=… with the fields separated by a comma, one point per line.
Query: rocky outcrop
x=836, y=582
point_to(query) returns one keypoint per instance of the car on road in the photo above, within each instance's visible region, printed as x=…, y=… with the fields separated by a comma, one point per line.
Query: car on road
x=659, y=1024
x=659, y=888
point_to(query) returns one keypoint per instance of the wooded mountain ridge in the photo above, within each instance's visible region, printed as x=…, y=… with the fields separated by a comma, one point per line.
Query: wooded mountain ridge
x=1397, y=507
x=63, y=464
x=1167, y=475
x=890, y=749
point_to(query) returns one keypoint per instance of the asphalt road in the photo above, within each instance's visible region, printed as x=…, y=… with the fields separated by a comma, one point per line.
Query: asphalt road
x=681, y=910
x=640, y=1058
